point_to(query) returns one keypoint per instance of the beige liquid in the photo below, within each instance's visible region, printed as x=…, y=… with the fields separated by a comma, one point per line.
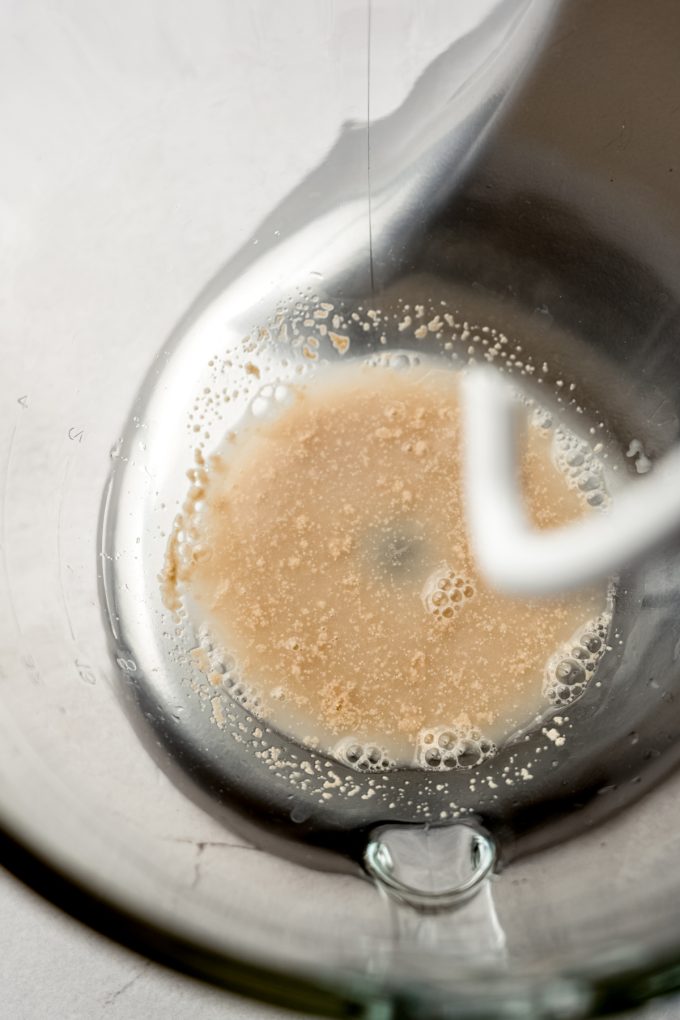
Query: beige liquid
x=329, y=555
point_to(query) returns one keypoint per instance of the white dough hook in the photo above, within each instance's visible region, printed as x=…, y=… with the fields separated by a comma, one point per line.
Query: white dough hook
x=511, y=553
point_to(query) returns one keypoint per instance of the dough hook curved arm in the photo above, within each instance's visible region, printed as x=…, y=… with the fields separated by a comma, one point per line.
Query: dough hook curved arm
x=521, y=559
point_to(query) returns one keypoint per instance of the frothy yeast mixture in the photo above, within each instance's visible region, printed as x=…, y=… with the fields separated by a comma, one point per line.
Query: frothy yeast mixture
x=325, y=549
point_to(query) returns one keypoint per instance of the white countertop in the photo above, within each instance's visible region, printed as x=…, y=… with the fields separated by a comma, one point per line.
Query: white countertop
x=53, y=968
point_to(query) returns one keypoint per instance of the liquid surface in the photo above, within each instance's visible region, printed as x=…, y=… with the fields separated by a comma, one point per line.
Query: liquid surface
x=324, y=548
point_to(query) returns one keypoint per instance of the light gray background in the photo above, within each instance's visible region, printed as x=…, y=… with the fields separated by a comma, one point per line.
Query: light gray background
x=53, y=968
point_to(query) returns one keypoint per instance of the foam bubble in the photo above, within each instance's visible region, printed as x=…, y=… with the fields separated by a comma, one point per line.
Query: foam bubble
x=398, y=361
x=541, y=418
x=571, y=668
x=363, y=757
x=445, y=592
x=581, y=467
x=443, y=748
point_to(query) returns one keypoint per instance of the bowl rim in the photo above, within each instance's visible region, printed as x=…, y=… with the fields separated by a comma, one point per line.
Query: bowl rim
x=325, y=995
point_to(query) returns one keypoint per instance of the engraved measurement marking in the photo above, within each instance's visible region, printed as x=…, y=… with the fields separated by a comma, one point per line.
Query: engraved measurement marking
x=60, y=561
x=23, y=400
x=31, y=668
x=127, y=665
x=4, y=499
x=86, y=672
x=75, y=434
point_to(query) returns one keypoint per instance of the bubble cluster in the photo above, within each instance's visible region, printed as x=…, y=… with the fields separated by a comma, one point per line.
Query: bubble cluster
x=446, y=592
x=443, y=748
x=362, y=756
x=222, y=672
x=572, y=667
x=540, y=417
x=269, y=400
x=398, y=361
x=581, y=467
